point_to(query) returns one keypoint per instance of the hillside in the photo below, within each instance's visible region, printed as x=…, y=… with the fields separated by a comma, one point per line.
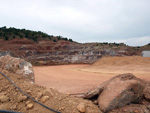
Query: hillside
x=43, y=49
x=13, y=33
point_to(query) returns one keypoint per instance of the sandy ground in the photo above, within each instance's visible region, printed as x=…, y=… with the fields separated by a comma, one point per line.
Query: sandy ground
x=81, y=78
x=67, y=78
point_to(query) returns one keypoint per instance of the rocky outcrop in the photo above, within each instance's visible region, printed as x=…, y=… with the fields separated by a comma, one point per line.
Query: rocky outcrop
x=119, y=91
x=17, y=66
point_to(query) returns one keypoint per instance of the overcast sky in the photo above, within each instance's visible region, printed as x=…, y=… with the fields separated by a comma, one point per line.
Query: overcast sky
x=83, y=21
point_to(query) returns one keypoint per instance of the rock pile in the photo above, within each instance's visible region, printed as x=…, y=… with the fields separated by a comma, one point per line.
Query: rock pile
x=17, y=66
x=12, y=99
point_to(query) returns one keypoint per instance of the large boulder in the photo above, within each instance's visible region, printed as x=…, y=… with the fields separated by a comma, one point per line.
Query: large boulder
x=133, y=108
x=17, y=66
x=124, y=89
x=120, y=90
x=147, y=91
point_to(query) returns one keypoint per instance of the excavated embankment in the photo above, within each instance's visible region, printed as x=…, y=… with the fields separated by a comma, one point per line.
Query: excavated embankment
x=12, y=99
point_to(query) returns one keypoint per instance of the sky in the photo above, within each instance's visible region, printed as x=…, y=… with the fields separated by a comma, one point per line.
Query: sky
x=121, y=21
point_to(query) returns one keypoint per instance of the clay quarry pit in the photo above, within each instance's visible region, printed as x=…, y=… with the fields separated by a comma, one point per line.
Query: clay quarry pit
x=57, y=86
x=72, y=79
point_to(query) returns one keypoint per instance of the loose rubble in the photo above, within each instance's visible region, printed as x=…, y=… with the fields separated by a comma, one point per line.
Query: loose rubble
x=81, y=107
x=12, y=99
x=30, y=106
x=22, y=98
x=4, y=98
x=44, y=99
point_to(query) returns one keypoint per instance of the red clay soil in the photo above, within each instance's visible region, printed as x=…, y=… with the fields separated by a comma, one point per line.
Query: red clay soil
x=81, y=78
x=67, y=78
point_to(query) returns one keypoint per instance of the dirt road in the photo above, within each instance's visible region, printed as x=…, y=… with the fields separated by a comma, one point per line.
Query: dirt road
x=80, y=78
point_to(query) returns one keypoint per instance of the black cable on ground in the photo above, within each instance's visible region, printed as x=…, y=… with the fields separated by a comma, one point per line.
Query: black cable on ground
x=29, y=96
x=6, y=111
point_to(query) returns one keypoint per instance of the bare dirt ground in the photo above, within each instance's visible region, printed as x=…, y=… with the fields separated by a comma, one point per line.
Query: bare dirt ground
x=81, y=78
x=67, y=78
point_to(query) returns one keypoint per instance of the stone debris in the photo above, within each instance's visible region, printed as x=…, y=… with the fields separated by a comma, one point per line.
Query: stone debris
x=28, y=102
x=29, y=91
x=30, y=106
x=61, y=108
x=4, y=98
x=22, y=98
x=81, y=107
x=95, y=102
x=44, y=99
x=39, y=95
x=14, y=107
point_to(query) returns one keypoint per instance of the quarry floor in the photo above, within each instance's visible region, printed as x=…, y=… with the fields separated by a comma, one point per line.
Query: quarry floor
x=72, y=79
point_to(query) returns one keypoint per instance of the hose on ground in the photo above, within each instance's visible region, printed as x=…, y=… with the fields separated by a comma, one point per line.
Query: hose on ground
x=29, y=96
x=6, y=111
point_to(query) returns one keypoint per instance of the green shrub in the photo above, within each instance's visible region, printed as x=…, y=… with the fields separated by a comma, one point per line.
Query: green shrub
x=54, y=40
x=32, y=35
